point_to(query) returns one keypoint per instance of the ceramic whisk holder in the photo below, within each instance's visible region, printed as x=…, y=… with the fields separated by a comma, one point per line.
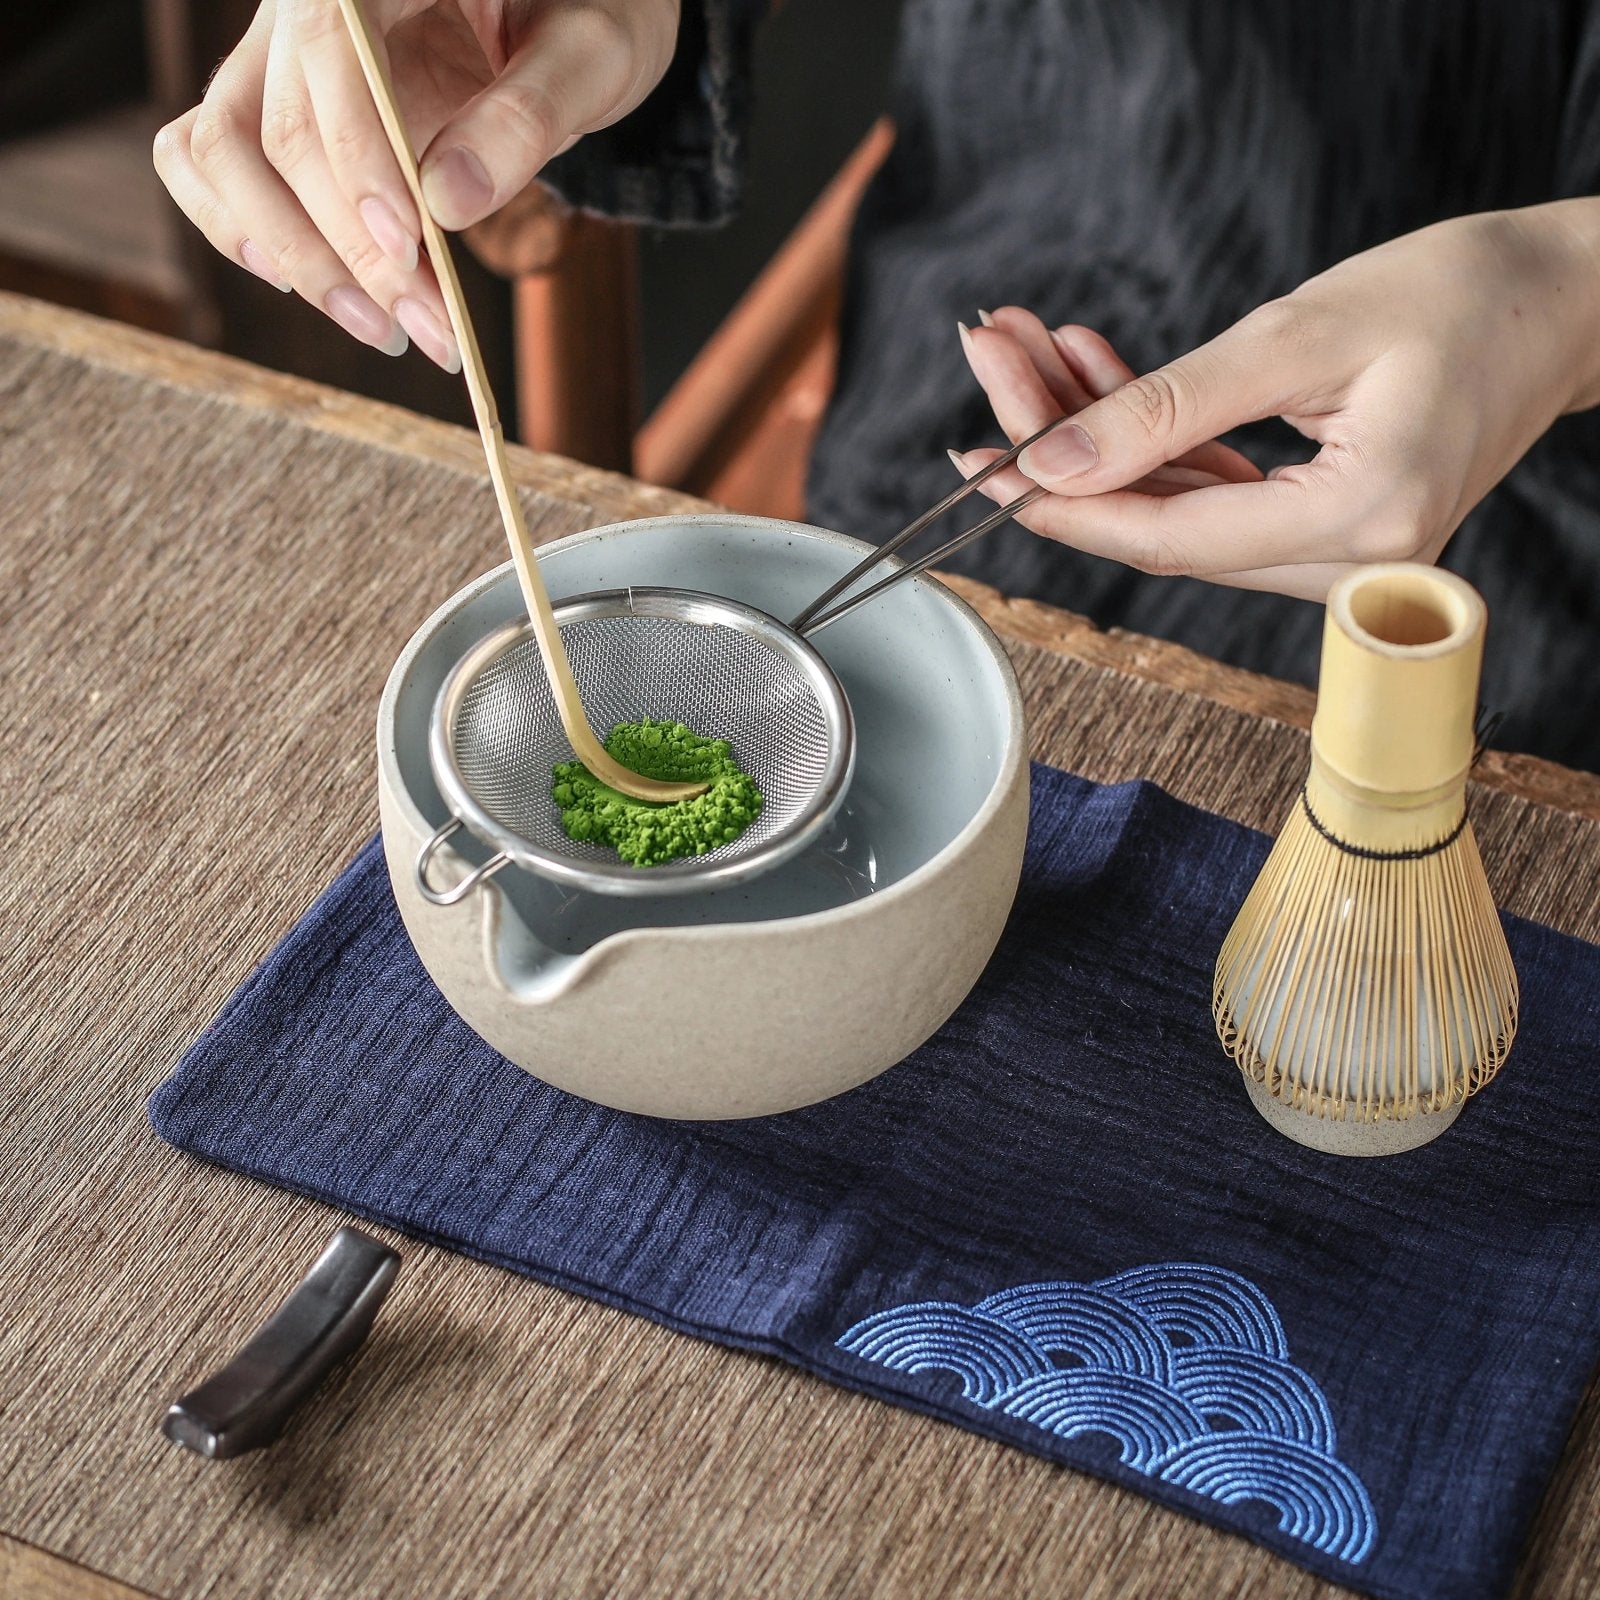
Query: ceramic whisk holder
x=1366, y=988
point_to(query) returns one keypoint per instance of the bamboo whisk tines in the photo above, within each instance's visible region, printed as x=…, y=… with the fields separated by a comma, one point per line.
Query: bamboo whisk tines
x=1366, y=988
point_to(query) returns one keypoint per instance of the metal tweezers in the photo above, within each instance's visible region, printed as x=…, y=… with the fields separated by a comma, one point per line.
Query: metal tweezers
x=817, y=615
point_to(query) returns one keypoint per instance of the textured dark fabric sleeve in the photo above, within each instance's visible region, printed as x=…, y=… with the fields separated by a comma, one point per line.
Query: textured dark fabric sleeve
x=678, y=159
x=1578, y=168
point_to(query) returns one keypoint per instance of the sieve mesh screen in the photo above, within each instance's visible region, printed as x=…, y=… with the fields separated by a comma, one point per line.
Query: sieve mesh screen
x=721, y=681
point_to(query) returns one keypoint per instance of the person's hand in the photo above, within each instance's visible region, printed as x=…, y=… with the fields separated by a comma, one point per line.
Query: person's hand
x=285, y=168
x=1039, y=373
x=1424, y=369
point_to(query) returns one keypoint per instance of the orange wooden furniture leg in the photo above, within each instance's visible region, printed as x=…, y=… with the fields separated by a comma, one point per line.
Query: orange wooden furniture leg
x=738, y=425
x=577, y=346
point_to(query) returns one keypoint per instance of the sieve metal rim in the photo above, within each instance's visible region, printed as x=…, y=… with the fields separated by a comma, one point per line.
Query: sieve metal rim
x=688, y=876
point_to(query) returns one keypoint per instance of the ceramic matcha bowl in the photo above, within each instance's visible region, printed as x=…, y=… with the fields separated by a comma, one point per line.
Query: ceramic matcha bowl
x=794, y=986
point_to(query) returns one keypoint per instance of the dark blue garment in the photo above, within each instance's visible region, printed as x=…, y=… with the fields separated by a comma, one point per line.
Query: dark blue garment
x=1156, y=169
x=1059, y=1223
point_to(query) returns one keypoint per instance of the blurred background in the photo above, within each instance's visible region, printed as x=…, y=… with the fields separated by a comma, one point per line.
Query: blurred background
x=698, y=360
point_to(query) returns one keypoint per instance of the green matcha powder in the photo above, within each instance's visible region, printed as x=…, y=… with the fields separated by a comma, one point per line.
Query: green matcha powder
x=649, y=835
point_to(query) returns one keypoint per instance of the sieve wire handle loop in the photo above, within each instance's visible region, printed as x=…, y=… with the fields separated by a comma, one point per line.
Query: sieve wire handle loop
x=816, y=615
x=459, y=891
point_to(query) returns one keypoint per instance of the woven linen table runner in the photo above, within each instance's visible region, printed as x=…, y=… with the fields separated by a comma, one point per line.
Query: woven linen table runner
x=1059, y=1223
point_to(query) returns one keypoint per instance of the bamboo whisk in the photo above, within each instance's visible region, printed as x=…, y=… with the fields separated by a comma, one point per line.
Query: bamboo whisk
x=1365, y=988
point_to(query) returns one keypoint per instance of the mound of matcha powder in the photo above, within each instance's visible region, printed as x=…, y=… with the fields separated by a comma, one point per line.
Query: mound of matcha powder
x=648, y=835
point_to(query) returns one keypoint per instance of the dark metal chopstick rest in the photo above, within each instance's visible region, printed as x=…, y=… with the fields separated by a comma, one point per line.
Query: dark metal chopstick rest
x=246, y=1405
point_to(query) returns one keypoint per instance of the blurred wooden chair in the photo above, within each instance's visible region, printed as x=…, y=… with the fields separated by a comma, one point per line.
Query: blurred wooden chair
x=738, y=425
x=84, y=221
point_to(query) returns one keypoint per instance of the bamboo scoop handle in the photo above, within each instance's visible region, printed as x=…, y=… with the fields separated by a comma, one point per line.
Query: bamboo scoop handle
x=552, y=651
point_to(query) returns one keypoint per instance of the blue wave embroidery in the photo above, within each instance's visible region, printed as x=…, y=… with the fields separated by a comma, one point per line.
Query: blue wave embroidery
x=1185, y=1366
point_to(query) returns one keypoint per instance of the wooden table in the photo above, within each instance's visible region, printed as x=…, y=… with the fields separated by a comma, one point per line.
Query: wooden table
x=207, y=570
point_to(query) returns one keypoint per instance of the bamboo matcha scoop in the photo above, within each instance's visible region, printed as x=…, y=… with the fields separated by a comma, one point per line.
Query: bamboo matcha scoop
x=552, y=651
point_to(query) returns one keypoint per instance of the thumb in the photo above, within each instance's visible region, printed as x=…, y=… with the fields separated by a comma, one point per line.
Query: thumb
x=557, y=85
x=1152, y=420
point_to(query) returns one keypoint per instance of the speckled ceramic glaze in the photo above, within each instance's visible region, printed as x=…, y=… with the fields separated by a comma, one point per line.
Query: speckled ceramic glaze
x=802, y=983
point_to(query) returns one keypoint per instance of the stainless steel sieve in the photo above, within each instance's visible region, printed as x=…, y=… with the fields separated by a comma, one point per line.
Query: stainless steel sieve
x=720, y=667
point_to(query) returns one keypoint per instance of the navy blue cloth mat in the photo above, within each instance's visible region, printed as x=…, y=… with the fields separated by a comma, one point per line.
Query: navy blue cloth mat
x=1059, y=1223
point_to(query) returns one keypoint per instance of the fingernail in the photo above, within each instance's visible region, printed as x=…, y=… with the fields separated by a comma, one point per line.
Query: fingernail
x=1065, y=453
x=985, y=319
x=358, y=315
x=456, y=187
x=264, y=269
x=966, y=337
x=388, y=232
x=958, y=461
x=1074, y=365
x=432, y=339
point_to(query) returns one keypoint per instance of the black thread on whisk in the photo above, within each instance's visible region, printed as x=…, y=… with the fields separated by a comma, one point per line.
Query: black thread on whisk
x=1416, y=854
x=1485, y=726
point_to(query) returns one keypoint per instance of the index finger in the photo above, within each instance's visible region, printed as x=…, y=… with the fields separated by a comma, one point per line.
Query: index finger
x=1304, y=580
x=1021, y=398
x=1229, y=528
x=1066, y=388
x=357, y=149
